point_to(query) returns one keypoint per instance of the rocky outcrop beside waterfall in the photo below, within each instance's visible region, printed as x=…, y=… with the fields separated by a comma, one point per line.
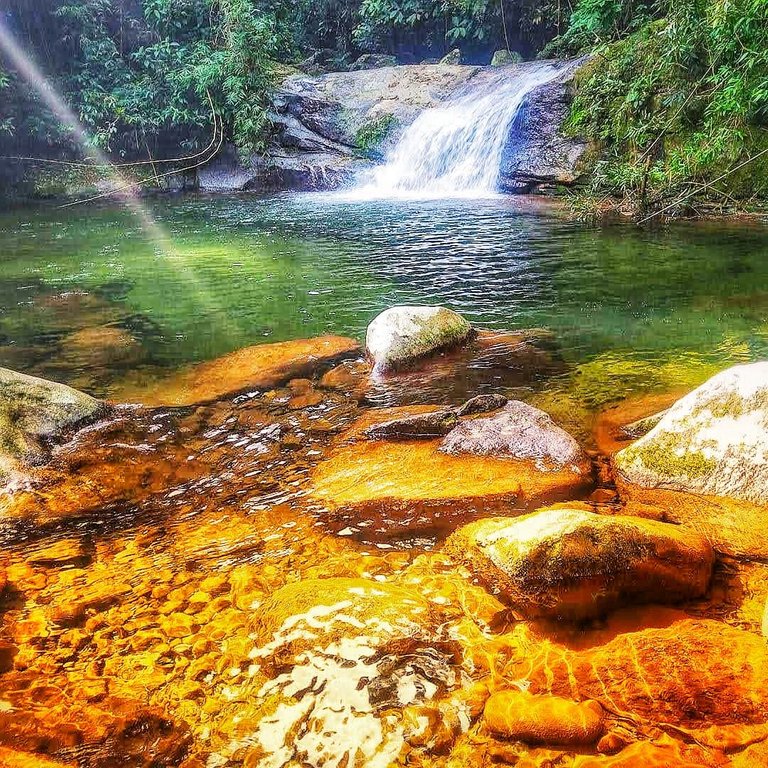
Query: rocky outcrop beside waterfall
x=538, y=153
x=329, y=127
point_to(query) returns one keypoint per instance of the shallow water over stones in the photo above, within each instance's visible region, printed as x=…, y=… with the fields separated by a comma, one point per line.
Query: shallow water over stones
x=177, y=594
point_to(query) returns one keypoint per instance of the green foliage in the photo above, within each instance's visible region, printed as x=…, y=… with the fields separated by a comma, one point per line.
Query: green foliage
x=371, y=136
x=677, y=105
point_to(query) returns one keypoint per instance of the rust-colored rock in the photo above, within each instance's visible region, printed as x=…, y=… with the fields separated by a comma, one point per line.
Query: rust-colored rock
x=575, y=564
x=413, y=486
x=544, y=719
x=259, y=367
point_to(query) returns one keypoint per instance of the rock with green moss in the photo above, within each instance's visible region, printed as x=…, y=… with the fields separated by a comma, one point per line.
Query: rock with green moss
x=574, y=564
x=35, y=414
x=712, y=442
x=503, y=57
x=452, y=57
x=400, y=336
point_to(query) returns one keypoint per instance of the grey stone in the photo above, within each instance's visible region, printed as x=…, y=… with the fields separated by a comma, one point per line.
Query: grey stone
x=518, y=431
x=401, y=335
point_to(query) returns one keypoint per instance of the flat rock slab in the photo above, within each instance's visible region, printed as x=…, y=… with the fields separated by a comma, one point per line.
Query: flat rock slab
x=518, y=431
x=264, y=366
x=35, y=414
x=388, y=490
x=567, y=563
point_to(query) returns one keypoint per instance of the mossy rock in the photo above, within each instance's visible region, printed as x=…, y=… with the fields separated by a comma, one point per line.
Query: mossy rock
x=712, y=442
x=34, y=415
x=402, y=335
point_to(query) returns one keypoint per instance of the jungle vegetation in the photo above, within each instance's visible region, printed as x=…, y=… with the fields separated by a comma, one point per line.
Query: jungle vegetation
x=674, y=99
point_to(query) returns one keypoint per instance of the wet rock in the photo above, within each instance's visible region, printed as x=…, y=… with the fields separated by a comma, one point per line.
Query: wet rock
x=518, y=431
x=452, y=57
x=415, y=427
x=402, y=335
x=704, y=464
x=482, y=404
x=384, y=491
x=544, y=719
x=503, y=57
x=714, y=441
x=34, y=415
x=265, y=366
x=575, y=564
x=489, y=362
x=350, y=377
x=537, y=153
x=336, y=107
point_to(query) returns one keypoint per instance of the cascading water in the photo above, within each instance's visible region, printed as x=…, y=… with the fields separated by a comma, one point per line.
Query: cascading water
x=455, y=150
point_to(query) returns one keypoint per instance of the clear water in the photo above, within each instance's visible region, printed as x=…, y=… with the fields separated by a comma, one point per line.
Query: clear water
x=630, y=310
x=455, y=150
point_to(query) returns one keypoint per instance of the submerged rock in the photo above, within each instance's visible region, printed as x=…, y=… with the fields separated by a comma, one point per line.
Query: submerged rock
x=544, y=719
x=714, y=441
x=575, y=564
x=34, y=415
x=341, y=658
x=402, y=335
x=264, y=366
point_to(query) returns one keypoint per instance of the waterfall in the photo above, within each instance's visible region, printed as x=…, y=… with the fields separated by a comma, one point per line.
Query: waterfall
x=455, y=149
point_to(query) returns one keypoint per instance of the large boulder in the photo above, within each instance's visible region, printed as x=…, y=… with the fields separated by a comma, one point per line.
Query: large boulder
x=34, y=415
x=575, y=564
x=704, y=464
x=517, y=431
x=713, y=442
x=537, y=152
x=402, y=335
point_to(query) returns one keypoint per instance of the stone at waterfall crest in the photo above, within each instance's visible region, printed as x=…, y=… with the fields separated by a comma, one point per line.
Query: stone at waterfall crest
x=401, y=335
x=34, y=414
x=576, y=564
x=714, y=441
